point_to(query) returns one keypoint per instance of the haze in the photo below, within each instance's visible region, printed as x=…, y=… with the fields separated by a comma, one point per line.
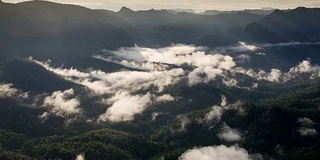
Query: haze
x=197, y=5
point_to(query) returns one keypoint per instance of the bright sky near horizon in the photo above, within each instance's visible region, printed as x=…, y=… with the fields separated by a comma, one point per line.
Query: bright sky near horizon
x=197, y=5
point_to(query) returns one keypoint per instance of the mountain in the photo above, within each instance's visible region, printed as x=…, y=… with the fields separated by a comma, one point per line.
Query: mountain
x=156, y=28
x=176, y=11
x=33, y=27
x=299, y=24
x=26, y=75
x=215, y=41
x=262, y=12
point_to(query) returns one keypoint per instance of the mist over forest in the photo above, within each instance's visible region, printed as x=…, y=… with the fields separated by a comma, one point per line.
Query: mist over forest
x=169, y=84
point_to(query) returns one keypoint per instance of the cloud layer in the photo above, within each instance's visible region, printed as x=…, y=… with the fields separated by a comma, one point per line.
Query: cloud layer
x=164, y=67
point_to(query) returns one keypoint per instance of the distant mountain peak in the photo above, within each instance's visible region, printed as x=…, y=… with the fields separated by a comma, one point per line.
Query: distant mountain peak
x=267, y=8
x=277, y=13
x=301, y=9
x=125, y=9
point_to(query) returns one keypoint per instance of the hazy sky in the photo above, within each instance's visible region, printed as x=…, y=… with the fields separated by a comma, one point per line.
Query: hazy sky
x=198, y=5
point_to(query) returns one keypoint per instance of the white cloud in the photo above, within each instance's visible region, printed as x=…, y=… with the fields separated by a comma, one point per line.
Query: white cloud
x=203, y=75
x=307, y=131
x=224, y=101
x=221, y=152
x=176, y=55
x=216, y=112
x=80, y=157
x=61, y=104
x=240, y=47
x=154, y=115
x=229, y=134
x=288, y=44
x=157, y=71
x=306, y=121
x=246, y=47
x=210, y=70
x=44, y=116
x=122, y=85
x=184, y=121
x=303, y=67
x=307, y=127
x=243, y=58
x=165, y=98
x=136, y=80
x=6, y=90
x=275, y=75
x=260, y=53
x=109, y=83
x=214, y=115
x=124, y=106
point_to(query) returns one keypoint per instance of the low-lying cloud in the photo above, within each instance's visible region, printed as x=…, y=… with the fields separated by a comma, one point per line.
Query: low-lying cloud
x=245, y=47
x=306, y=128
x=276, y=75
x=6, y=90
x=221, y=152
x=216, y=112
x=240, y=47
x=124, y=106
x=184, y=121
x=306, y=121
x=243, y=58
x=165, y=98
x=80, y=157
x=229, y=134
x=61, y=103
x=307, y=131
x=266, y=45
x=214, y=115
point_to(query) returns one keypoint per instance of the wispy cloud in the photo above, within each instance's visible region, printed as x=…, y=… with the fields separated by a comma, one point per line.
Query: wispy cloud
x=243, y=58
x=240, y=47
x=184, y=121
x=229, y=134
x=267, y=45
